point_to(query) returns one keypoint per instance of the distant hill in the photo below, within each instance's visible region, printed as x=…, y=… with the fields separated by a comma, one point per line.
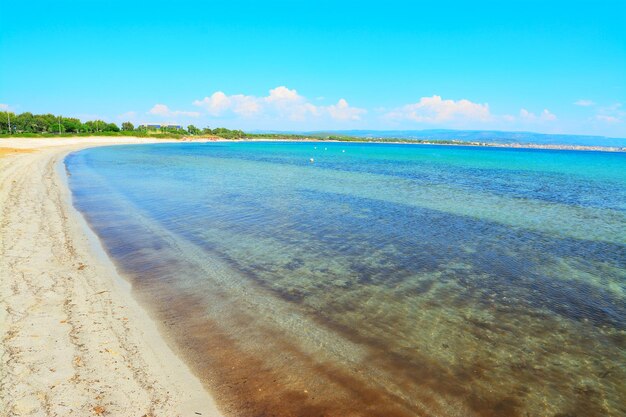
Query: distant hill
x=489, y=136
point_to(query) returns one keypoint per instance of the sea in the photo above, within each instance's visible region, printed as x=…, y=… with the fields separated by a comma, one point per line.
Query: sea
x=359, y=279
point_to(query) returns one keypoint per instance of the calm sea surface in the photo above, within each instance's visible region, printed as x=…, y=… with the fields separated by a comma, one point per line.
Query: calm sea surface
x=380, y=280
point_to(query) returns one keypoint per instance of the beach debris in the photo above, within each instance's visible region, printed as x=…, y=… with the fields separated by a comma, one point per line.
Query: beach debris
x=99, y=410
x=111, y=351
x=311, y=160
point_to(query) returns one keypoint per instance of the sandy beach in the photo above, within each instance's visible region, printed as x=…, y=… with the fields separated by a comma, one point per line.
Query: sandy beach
x=74, y=341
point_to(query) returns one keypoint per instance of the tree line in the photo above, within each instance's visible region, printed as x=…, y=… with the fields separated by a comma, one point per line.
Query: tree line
x=11, y=123
x=46, y=124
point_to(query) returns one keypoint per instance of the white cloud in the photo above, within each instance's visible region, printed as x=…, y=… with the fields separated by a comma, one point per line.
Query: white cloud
x=245, y=105
x=163, y=110
x=525, y=114
x=217, y=104
x=283, y=94
x=611, y=114
x=4, y=107
x=280, y=102
x=436, y=110
x=546, y=115
x=298, y=110
x=584, y=103
x=343, y=111
x=608, y=119
x=160, y=109
x=289, y=104
x=129, y=115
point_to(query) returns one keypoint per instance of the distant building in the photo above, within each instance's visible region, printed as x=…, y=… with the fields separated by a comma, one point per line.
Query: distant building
x=160, y=126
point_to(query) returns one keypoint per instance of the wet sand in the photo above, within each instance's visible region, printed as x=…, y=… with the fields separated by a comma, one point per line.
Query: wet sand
x=73, y=340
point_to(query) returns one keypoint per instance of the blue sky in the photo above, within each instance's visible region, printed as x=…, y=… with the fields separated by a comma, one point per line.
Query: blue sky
x=545, y=66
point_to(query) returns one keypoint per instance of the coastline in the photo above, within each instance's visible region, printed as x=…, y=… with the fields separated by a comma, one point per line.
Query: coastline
x=312, y=139
x=74, y=340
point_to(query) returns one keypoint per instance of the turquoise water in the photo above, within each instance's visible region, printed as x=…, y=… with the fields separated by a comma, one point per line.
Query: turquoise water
x=382, y=280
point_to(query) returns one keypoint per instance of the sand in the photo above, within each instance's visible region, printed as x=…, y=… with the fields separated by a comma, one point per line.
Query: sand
x=73, y=340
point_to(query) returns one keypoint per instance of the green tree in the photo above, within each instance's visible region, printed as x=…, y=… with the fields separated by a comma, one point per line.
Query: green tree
x=46, y=123
x=193, y=130
x=28, y=123
x=49, y=123
x=71, y=125
x=227, y=133
x=111, y=127
x=7, y=118
x=95, y=126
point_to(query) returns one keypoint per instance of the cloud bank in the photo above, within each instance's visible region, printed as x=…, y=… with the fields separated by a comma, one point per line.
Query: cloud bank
x=612, y=114
x=163, y=110
x=437, y=110
x=284, y=108
x=283, y=105
x=584, y=103
x=281, y=102
x=545, y=115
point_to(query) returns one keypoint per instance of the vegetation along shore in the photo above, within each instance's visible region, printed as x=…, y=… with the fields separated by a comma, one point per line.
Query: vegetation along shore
x=29, y=125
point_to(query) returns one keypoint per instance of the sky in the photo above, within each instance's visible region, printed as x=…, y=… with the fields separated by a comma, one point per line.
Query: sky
x=542, y=66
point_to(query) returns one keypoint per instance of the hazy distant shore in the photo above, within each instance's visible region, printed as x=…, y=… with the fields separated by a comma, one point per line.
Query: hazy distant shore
x=527, y=146
x=73, y=340
x=453, y=143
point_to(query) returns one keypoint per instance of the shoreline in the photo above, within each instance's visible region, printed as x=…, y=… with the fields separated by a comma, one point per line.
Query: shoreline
x=393, y=141
x=74, y=339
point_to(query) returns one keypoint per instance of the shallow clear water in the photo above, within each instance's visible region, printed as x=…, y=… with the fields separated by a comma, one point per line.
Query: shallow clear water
x=388, y=280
